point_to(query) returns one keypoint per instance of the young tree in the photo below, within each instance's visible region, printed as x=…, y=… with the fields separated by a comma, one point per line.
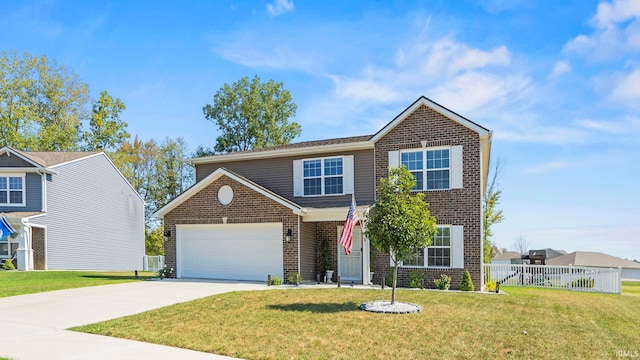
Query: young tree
x=106, y=130
x=252, y=115
x=42, y=105
x=491, y=214
x=400, y=221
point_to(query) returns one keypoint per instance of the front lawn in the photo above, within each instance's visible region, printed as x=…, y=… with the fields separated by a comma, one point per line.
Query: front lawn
x=29, y=282
x=326, y=324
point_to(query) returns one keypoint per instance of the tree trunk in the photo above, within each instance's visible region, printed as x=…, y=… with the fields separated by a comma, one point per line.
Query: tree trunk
x=395, y=279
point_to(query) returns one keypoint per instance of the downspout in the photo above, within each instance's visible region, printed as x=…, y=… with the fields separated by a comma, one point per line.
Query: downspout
x=482, y=185
x=299, y=269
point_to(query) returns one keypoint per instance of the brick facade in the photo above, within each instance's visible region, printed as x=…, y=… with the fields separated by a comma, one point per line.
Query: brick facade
x=450, y=207
x=38, y=246
x=248, y=206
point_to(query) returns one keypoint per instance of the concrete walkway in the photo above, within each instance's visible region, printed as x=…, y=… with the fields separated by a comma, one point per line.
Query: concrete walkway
x=33, y=326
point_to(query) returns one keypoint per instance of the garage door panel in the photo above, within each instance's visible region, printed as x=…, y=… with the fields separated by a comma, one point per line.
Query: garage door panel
x=230, y=251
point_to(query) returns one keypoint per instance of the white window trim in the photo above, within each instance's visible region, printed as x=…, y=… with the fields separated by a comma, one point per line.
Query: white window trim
x=347, y=176
x=424, y=165
x=24, y=189
x=456, y=252
x=455, y=165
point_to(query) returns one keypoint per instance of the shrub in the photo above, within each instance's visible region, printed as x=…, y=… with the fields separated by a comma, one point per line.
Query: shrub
x=165, y=272
x=293, y=276
x=415, y=280
x=388, y=281
x=583, y=283
x=8, y=265
x=490, y=286
x=466, y=284
x=443, y=283
x=275, y=280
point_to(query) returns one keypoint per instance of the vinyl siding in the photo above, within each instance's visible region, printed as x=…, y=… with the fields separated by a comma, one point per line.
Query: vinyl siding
x=277, y=175
x=7, y=160
x=95, y=220
x=308, y=251
x=33, y=188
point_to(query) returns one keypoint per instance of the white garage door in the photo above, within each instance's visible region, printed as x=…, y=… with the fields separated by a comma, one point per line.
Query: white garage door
x=229, y=251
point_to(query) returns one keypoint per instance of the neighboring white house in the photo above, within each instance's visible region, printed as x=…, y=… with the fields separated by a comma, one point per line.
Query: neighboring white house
x=630, y=269
x=71, y=210
x=507, y=258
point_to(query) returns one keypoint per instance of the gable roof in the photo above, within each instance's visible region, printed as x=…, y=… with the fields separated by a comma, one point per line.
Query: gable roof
x=195, y=188
x=47, y=159
x=306, y=147
x=55, y=158
x=596, y=259
x=482, y=131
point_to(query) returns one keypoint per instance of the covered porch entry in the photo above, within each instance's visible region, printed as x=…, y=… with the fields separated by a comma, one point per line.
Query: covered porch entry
x=26, y=248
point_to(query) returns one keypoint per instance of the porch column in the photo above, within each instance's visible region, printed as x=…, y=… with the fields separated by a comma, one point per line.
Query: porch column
x=366, y=266
x=24, y=253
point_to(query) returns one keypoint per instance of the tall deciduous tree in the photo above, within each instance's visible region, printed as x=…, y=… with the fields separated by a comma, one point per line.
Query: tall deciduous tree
x=400, y=221
x=252, y=115
x=106, y=130
x=42, y=105
x=492, y=215
x=157, y=172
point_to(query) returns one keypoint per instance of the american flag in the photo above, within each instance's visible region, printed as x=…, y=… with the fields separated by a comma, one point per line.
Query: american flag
x=346, y=238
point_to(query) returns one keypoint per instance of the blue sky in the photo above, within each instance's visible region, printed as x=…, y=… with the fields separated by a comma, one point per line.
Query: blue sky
x=558, y=82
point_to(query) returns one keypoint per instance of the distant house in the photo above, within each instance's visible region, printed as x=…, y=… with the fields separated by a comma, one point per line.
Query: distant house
x=70, y=210
x=541, y=256
x=507, y=258
x=533, y=257
x=630, y=269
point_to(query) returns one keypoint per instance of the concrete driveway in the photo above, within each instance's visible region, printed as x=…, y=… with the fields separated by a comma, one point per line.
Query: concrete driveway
x=34, y=325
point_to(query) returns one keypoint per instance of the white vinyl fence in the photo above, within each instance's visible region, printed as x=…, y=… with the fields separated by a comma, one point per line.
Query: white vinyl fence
x=577, y=278
x=153, y=263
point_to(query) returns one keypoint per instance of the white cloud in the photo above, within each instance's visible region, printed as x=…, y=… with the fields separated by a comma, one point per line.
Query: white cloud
x=547, y=167
x=628, y=87
x=560, y=68
x=447, y=57
x=279, y=7
x=616, y=33
x=615, y=12
x=474, y=92
x=364, y=90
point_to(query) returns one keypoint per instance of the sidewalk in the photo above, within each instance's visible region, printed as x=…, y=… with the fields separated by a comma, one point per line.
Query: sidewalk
x=34, y=325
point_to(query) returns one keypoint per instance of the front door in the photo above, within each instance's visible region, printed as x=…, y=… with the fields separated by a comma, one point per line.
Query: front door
x=350, y=266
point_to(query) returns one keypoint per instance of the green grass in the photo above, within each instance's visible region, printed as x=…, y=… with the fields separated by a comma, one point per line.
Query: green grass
x=29, y=282
x=326, y=324
x=631, y=288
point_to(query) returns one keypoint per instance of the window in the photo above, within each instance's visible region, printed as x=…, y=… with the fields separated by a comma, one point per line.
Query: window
x=437, y=255
x=12, y=190
x=430, y=168
x=7, y=248
x=323, y=176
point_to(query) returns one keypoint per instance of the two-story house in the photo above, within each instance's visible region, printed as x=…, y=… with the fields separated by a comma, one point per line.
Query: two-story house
x=268, y=211
x=70, y=210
